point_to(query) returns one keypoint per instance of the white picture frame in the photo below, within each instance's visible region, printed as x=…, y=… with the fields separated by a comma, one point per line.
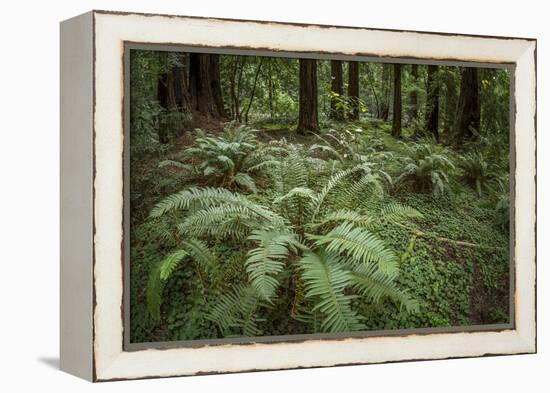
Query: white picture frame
x=92, y=194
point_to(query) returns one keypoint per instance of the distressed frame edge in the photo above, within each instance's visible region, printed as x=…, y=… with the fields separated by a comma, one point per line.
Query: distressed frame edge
x=528, y=340
x=76, y=40
x=130, y=346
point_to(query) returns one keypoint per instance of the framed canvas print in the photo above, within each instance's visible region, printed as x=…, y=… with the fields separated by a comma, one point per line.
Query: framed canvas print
x=245, y=195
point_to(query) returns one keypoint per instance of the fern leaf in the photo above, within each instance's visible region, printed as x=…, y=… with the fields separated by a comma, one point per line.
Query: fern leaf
x=396, y=211
x=267, y=260
x=207, y=197
x=344, y=215
x=244, y=180
x=331, y=184
x=176, y=164
x=325, y=281
x=201, y=254
x=370, y=282
x=153, y=292
x=236, y=309
x=361, y=245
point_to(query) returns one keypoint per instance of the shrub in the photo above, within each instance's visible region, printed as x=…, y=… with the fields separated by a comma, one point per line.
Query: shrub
x=320, y=238
x=425, y=167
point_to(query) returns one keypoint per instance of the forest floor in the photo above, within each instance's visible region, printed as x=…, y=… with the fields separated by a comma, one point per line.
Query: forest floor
x=456, y=284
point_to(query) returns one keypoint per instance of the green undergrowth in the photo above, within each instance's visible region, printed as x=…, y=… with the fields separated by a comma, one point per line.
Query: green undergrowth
x=453, y=260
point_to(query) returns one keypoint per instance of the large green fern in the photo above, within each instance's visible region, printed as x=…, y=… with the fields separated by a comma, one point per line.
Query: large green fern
x=318, y=235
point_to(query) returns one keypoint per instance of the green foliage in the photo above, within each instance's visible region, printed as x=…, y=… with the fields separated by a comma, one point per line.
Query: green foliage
x=426, y=167
x=361, y=246
x=248, y=230
x=325, y=281
x=300, y=223
x=478, y=172
x=236, y=309
x=268, y=259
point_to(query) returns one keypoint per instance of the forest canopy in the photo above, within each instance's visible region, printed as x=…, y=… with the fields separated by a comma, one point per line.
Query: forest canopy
x=277, y=196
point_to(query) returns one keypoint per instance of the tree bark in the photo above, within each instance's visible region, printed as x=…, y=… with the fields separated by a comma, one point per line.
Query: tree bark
x=163, y=96
x=385, y=93
x=353, y=90
x=469, y=106
x=432, y=103
x=258, y=70
x=337, y=90
x=413, y=98
x=450, y=102
x=270, y=88
x=205, y=86
x=216, y=85
x=308, y=112
x=396, y=124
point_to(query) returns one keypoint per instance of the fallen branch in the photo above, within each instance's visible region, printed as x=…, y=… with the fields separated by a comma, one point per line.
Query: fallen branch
x=419, y=233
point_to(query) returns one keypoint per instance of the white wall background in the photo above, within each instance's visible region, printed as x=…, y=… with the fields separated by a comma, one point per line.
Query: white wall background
x=29, y=179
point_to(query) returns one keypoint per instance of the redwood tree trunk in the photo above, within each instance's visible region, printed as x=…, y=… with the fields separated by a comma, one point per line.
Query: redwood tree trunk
x=163, y=96
x=205, y=86
x=413, y=99
x=469, y=106
x=385, y=95
x=353, y=89
x=337, y=89
x=396, y=124
x=450, y=102
x=432, y=103
x=308, y=116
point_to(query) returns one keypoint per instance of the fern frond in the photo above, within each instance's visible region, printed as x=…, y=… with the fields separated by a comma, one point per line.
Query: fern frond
x=358, y=193
x=361, y=245
x=153, y=293
x=236, y=309
x=201, y=254
x=344, y=215
x=244, y=180
x=220, y=221
x=371, y=283
x=329, y=149
x=331, y=184
x=267, y=260
x=176, y=164
x=325, y=280
x=208, y=196
x=397, y=212
x=158, y=274
x=302, y=192
x=170, y=262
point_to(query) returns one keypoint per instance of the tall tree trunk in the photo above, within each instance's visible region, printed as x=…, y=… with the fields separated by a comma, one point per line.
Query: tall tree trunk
x=179, y=88
x=308, y=116
x=450, y=101
x=337, y=90
x=469, y=106
x=413, y=99
x=396, y=124
x=172, y=94
x=385, y=93
x=270, y=88
x=258, y=70
x=353, y=89
x=163, y=96
x=432, y=103
x=205, y=86
x=216, y=85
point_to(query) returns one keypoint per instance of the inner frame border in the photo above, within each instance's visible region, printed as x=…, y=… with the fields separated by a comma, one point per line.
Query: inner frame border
x=128, y=346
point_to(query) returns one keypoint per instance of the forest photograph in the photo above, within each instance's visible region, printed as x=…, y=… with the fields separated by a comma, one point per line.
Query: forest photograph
x=277, y=196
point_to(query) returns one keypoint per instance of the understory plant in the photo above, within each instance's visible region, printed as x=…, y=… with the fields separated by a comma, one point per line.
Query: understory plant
x=425, y=167
x=479, y=173
x=318, y=237
x=227, y=160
